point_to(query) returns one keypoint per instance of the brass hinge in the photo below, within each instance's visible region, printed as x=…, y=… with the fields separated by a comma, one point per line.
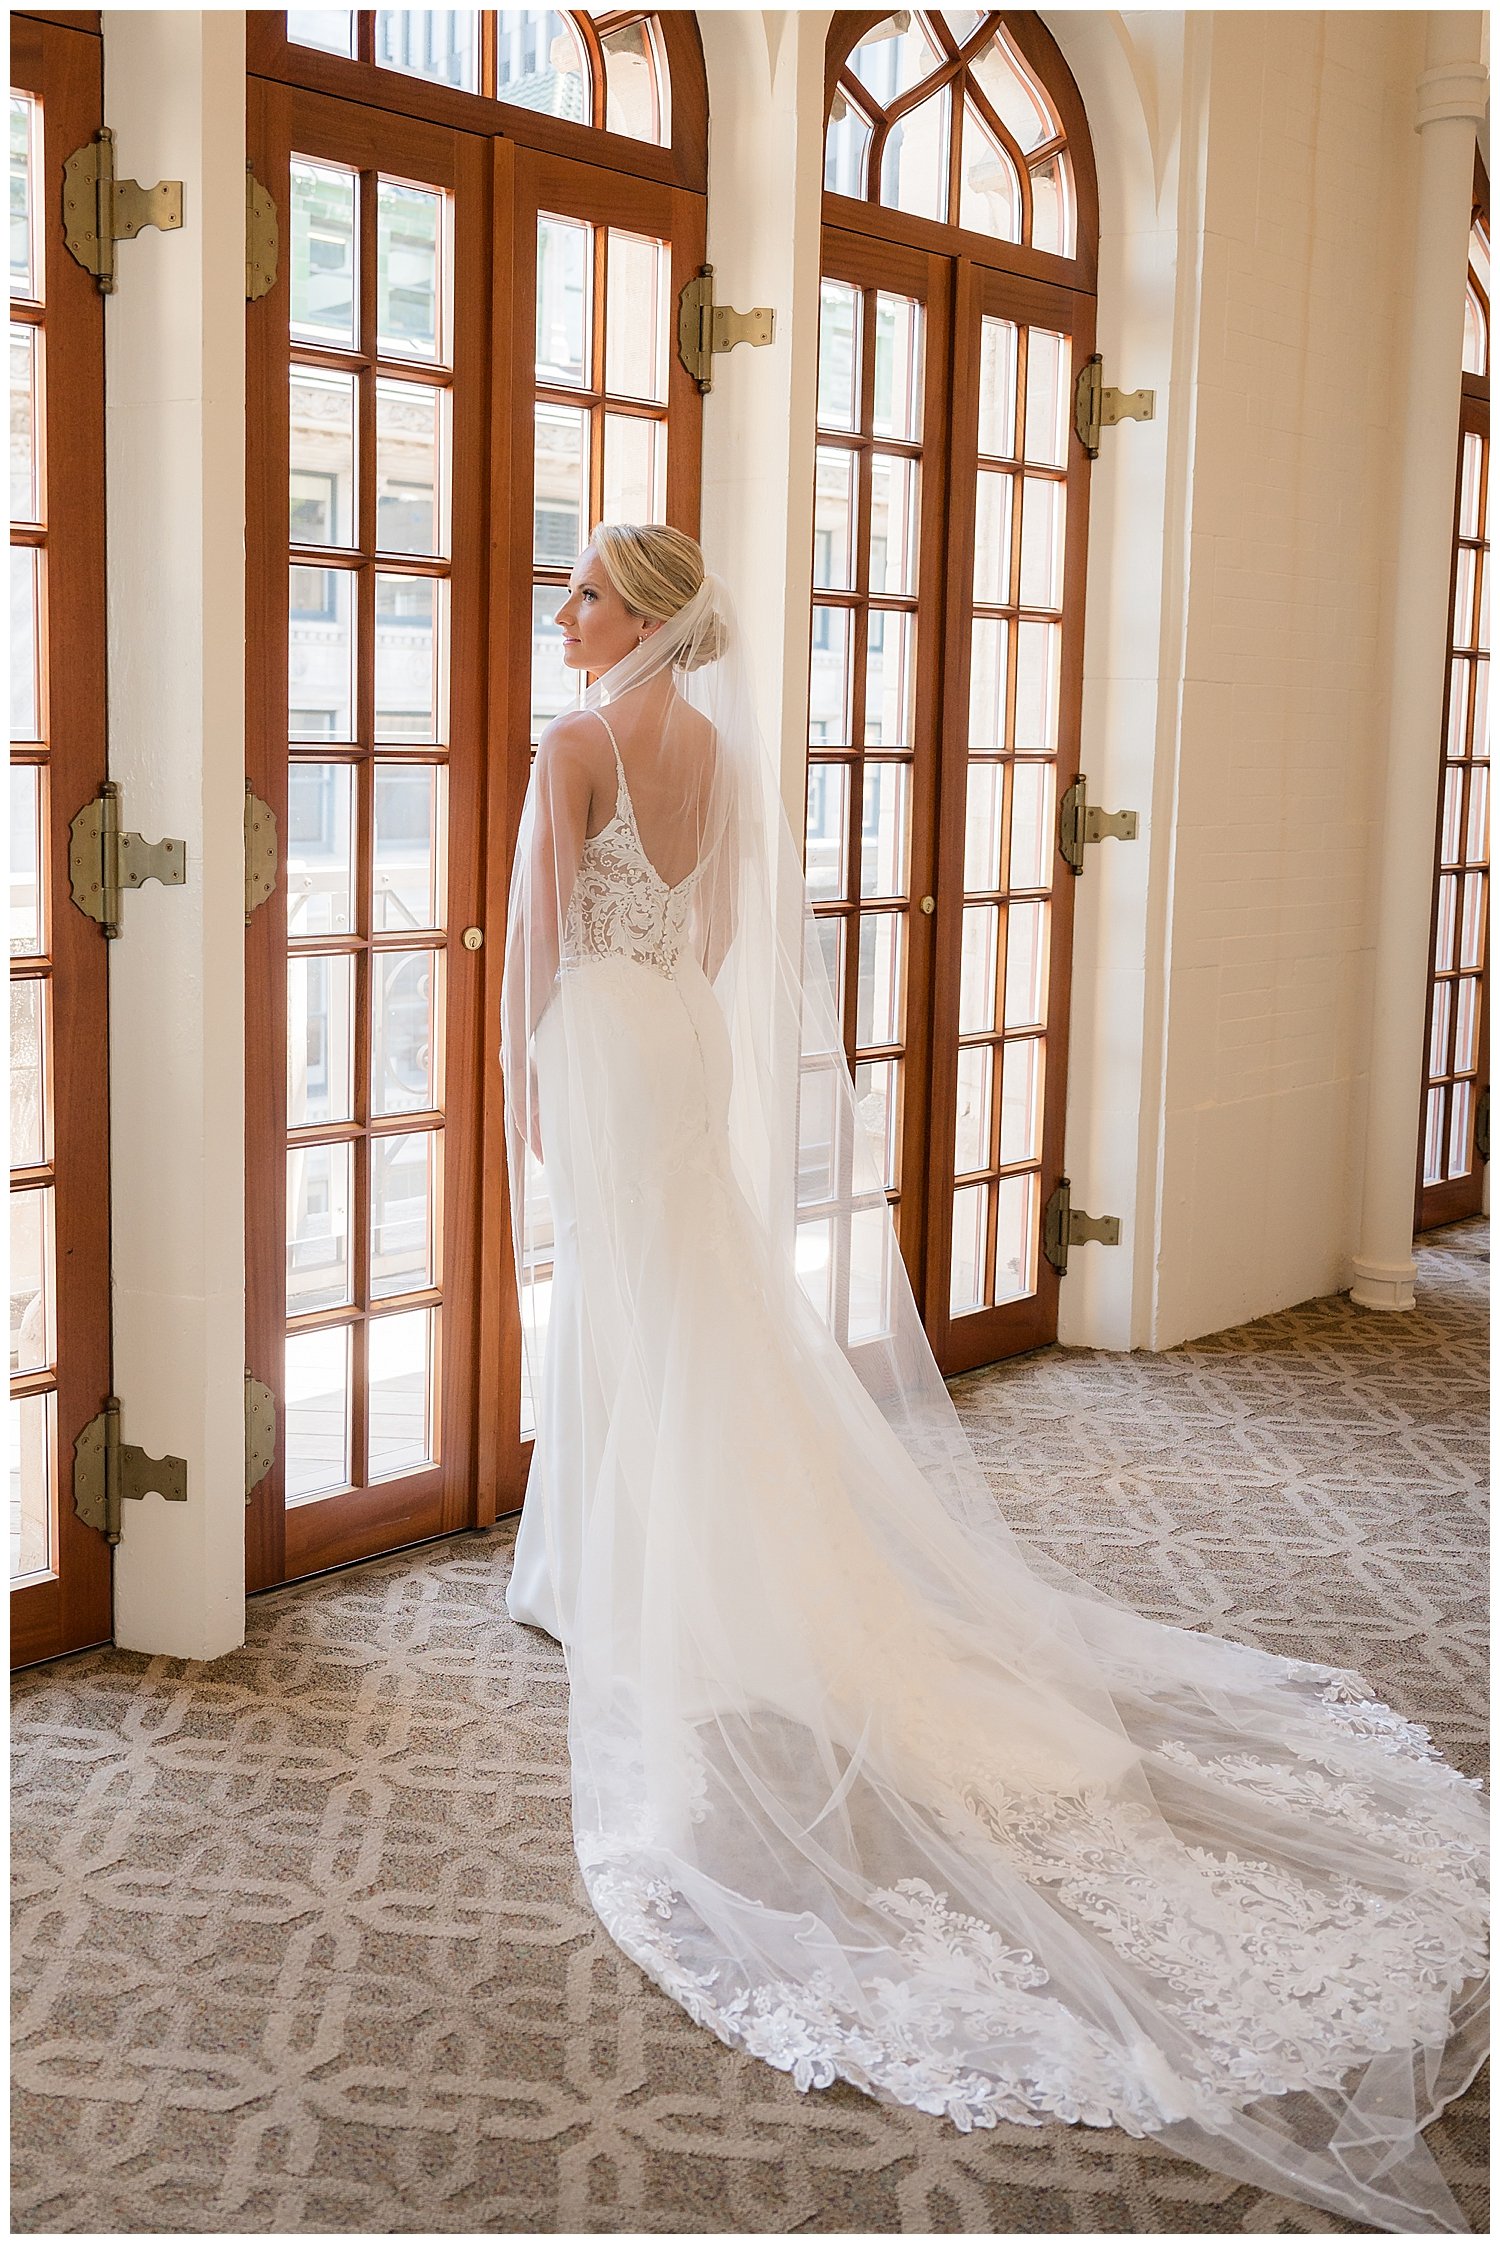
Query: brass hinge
x=103, y=861
x=704, y=327
x=260, y=1432
x=1065, y=1226
x=262, y=239
x=1080, y=821
x=260, y=851
x=1096, y=407
x=100, y=210
x=106, y=1470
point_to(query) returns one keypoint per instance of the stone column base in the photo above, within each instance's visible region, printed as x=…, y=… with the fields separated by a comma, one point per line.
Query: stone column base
x=1384, y=1285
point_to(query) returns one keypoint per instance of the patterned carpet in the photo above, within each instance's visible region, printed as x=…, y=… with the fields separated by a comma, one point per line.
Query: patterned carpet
x=300, y=1947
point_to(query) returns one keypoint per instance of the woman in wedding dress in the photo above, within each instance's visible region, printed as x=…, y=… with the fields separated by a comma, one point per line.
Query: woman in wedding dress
x=875, y=1793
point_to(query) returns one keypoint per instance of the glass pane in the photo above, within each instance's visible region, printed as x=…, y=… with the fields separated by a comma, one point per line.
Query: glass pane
x=914, y=174
x=878, y=1013
x=1437, y=1042
x=635, y=328
x=815, y=1264
x=1432, y=1139
x=1032, y=832
x=25, y=860
x=1048, y=357
x=1471, y=952
x=31, y=1451
x=1481, y=737
x=404, y=1026
x=1468, y=505
x=870, y=1247
x=966, y=1283
x=28, y=1073
x=989, y=190
x=876, y=1100
x=997, y=388
x=25, y=573
x=883, y=846
x=332, y=29
x=838, y=355
x=1016, y=1238
x=893, y=524
x=971, y=1138
x=1463, y=598
x=833, y=519
x=634, y=91
x=325, y=206
x=1460, y=1104
x=437, y=43
x=992, y=504
x=320, y=647
x=24, y=503
x=320, y=849
x=561, y=490
x=411, y=480
x=1450, y=826
x=317, y=1412
x=1458, y=705
x=319, y=1038
x=317, y=1226
x=891, y=679
x=538, y=64
x=408, y=278
x=1026, y=966
x=898, y=368
x=564, y=299
x=24, y=263
x=411, y=658
x=983, y=825
x=1041, y=543
x=1466, y=1038
x=400, y=1392
x=410, y=830
x=554, y=687
x=1038, y=672
x=827, y=813
x=403, y=1188
x=1477, y=839
x=977, y=973
x=634, y=469
x=1447, y=916
x=815, y=1127
x=1052, y=217
x=32, y=1343
x=823, y=941
x=1021, y=1100
x=322, y=456
x=1019, y=105
x=894, y=55
x=987, y=682
x=828, y=690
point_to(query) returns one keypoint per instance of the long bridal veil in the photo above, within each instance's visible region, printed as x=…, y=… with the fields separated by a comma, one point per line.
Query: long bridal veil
x=874, y=1791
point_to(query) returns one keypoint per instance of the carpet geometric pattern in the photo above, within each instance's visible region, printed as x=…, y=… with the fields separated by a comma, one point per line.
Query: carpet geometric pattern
x=299, y=1944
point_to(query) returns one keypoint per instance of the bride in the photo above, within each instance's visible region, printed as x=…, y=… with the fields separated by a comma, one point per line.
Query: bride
x=871, y=1790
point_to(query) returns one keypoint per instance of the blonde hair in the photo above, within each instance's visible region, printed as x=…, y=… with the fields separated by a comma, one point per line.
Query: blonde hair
x=656, y=571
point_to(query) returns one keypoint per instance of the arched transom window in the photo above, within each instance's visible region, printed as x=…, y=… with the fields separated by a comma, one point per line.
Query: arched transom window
x=607, y=69
x=938, y=113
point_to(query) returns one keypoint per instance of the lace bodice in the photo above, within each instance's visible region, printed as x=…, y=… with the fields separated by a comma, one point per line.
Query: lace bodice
x=621, y=907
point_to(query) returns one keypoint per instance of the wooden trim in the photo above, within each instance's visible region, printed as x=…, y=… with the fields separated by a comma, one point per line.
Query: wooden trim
x=1063, y=275
x=87, y=20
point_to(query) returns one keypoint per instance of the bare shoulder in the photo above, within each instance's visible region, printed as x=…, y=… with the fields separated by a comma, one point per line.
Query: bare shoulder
x=576, y=737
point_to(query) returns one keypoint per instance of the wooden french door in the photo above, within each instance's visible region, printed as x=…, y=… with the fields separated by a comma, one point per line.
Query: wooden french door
x=59, y=1202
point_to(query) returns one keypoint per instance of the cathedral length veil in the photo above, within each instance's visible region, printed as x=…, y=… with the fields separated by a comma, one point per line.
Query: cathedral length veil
x=870, y=1789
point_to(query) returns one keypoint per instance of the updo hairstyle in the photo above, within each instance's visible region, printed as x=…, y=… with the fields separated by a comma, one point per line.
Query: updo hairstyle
x=656, y=571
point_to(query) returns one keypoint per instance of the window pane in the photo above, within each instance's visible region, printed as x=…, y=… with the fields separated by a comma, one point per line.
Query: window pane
x=409, y=278
x=815, y=1264
x=876, y=1099
x=317, y=1226
x=914, y=174
x=971, y=1139
x=564, y=299
x=409, y=838
x=635, y=93
x=24, y=501
x=1026, y=966
x=25, y=860
x=634, y=469
x=1048, y=357
x=1450, y=825
x=833, y=519
x=1466, y=1035
x=319, y=849
x=883, y=850
x=1017, y=104
x=987, y=682
x=1437, y=1043
x=411, y=664
x=823, y=943
x=411, y=481
x=538, y=64
x=870, y=1247
x=815, y=1131
x=827, y=815
x=1041, y=543
x=319, y=1040
x=983, y=824
x=437, y=43
x=1038, y=660
x=32, y=1342
x=838, y=355
x=403, y=1186
x=554, y=687
x=317, y=1413
x=24, y=270
x=891, y=679
x=828, y=694
x=320, y=645
x=400, y=1392
x=1432, y=1139
x=897, y=409
x=561, y=490
x=878, y=1017
x=635, y=328
x=846, y=148
x=32, y=1448
x=404, y=1009
x=966, y=1281
x=28, y=1073
x=25, y=620
x=977, y=972
x=1021, y=1100
x=997, y=388
x=992, y=537
x=893, y=524
x=1477, y=841
x=1016, y=1238
x=1447, y=916
x=1032, y=835
x=324, y=220
x=1471, y=951
x=322, y=457
x=1461, y=1099
x=1053, y=225
x=332, y=29
x=989, y=190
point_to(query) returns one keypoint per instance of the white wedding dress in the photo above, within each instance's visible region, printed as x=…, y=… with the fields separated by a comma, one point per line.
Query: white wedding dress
x=872, y=1792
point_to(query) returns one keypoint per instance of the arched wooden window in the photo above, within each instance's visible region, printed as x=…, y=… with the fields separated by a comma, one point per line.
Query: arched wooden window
x=960, y=229
x=1454, y=1139
x=486, y=220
